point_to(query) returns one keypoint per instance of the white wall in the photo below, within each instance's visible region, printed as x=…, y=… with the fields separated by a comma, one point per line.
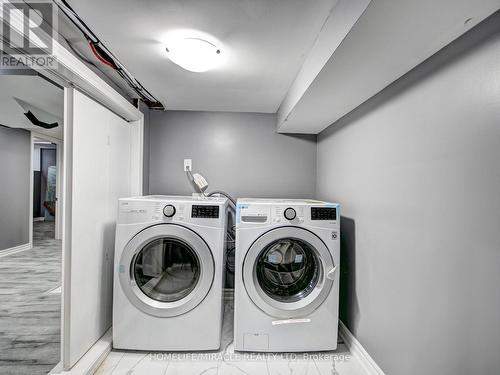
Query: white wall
x=417, y=171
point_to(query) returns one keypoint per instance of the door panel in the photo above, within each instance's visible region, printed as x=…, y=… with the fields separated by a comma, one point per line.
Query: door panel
x=98, y=157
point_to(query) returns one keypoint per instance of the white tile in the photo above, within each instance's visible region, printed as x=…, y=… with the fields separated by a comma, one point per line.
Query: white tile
x=228, y=362
x=349, y=367
x=243, y=368
x=128, y=363
x=109, y=363
x=326, y=367
x=339, y=362
x=292, y=367
x=192, y=368
x=152, y=364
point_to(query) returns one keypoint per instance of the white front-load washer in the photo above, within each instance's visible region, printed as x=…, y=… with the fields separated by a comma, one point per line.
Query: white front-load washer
x=168, y=283
x=287, y=275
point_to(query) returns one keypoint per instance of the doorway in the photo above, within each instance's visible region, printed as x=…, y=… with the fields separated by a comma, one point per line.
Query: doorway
x=44, y=190
x=46, y=176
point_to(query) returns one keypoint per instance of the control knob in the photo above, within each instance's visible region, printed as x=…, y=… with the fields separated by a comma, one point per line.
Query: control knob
x=290, y=213
x=169, y=210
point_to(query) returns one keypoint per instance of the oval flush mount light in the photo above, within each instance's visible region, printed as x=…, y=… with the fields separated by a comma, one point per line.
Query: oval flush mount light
x=193, y=53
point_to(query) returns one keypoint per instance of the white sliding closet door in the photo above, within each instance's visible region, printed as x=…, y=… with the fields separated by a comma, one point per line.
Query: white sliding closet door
x=104, y=157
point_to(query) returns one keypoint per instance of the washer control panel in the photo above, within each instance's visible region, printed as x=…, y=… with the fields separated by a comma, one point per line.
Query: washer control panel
x=293, y=213
x=323, y=213
x=172, y=209
x=205, y=211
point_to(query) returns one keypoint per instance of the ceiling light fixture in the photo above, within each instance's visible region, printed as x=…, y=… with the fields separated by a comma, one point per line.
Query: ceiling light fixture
x=194, y=54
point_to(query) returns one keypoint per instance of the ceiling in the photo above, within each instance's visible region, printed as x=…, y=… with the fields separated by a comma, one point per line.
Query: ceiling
x=265, y=43
x=387, y=41
x=311, y=62
x=22, y=93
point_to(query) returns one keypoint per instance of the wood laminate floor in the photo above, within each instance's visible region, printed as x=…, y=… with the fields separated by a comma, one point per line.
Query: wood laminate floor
x=30, y=314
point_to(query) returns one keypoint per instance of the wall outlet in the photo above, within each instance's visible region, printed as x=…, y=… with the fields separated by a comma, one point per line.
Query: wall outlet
x=188, y=165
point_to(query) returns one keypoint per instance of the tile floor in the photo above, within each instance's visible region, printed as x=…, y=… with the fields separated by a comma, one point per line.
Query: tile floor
x=30, y=315
x=227, y=362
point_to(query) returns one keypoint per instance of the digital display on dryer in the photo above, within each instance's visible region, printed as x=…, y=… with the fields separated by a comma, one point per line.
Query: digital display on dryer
x=205, y=212
x=323, y=213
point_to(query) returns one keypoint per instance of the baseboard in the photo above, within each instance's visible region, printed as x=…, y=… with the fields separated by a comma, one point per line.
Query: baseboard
x=357, y=351
x=56, y=370
x=16, y=249
x=90, y=362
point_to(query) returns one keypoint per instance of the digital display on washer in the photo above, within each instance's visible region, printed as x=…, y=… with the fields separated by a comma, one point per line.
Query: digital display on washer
x=205, y=212
x=323, y=213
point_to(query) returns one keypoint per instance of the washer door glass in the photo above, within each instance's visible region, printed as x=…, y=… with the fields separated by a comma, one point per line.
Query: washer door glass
x=285, y=272
x=288, y=270
x=166, y=269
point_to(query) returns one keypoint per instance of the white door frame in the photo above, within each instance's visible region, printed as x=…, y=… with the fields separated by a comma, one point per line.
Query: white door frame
x=59, y=179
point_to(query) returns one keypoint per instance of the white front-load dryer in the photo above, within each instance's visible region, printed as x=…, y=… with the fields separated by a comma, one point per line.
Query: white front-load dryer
x=287, y=275
x=168, y=283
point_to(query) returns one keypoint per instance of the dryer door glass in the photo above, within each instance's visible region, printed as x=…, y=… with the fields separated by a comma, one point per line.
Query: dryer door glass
x=166, y=269
x=288, y=269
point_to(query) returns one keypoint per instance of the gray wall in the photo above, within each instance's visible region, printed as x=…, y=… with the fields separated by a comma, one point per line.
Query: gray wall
x=417, y=171
x=240, y=153
x=14, y=187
